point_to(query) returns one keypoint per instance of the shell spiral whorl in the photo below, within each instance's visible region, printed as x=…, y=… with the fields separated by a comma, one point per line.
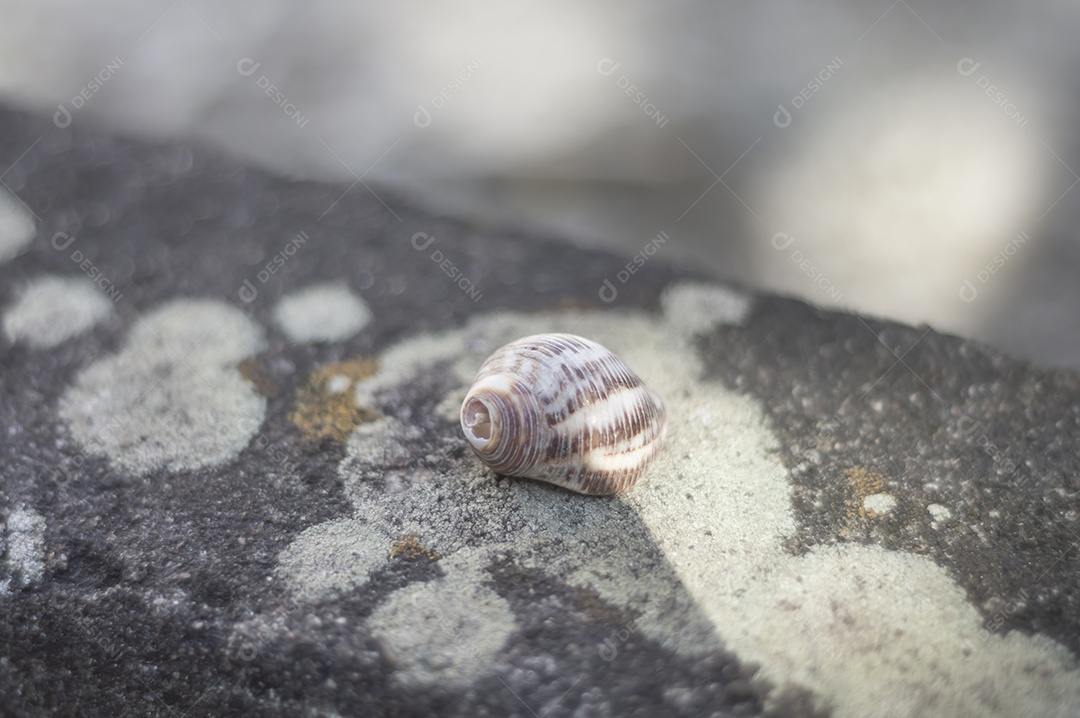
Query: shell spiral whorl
x=563, y=409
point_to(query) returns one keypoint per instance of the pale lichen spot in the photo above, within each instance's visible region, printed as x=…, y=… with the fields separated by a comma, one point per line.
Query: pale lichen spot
x=328, y=312
x=16, y=226
x=26, y=545
x=336, y=556
x=51, y=310
x=402, y=361
x=447, y=631
x=450, y=406
x=338, y=383
x=939, y=513
x=697, y=307
x=879, y=504
x=173, y=397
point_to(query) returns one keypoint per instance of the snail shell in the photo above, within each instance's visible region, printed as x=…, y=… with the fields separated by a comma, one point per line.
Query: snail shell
x=563, y=409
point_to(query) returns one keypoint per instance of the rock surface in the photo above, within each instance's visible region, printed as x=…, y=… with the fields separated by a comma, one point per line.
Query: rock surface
x=239, y=487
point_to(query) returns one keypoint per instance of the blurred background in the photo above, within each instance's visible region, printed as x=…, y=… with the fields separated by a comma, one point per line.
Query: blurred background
x=902, y=159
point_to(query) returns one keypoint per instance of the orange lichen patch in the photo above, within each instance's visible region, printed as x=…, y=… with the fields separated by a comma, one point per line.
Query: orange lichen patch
x=862, y=483
x=409, y=547
x=253, y=371
x=325, y=407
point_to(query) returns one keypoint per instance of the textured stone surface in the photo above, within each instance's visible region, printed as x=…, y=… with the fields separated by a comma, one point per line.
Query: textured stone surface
x=208, y=511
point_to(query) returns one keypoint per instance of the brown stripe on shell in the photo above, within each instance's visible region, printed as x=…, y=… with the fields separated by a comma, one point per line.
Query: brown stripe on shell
x=563, y=409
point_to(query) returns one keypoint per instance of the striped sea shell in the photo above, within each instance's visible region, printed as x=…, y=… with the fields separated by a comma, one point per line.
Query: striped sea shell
x=563, y=409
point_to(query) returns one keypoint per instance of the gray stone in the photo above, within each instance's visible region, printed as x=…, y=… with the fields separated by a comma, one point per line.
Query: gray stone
x=850, y=517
